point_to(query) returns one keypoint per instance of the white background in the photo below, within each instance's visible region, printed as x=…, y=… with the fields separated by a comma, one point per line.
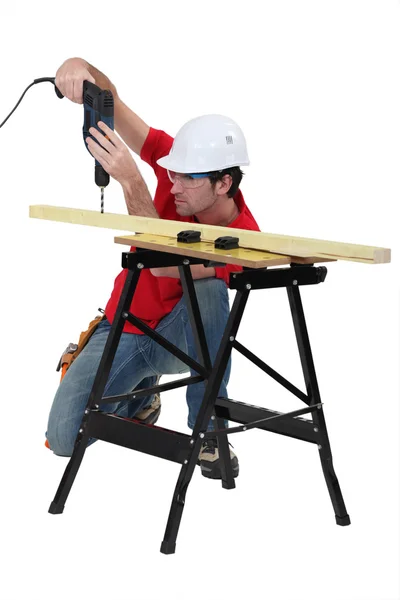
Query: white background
x=315, y=88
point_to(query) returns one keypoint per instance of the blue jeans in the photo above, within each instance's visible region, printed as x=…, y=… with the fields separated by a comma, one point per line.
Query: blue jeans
x=137, y=363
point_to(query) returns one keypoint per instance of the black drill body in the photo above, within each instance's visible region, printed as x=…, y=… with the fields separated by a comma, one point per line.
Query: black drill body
x=98, y=106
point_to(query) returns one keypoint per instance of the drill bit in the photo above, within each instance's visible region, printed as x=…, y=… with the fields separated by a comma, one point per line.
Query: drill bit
x=102, y=200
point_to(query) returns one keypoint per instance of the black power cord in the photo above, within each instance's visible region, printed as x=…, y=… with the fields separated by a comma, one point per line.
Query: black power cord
x=40, y=80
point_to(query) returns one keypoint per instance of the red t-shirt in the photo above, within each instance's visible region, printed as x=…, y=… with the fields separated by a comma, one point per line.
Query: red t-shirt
x=155, y=297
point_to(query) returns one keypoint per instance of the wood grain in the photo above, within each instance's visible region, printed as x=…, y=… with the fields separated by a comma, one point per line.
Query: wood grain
x=255, y=240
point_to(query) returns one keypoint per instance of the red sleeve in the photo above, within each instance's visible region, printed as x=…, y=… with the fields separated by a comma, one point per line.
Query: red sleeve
x=157, y=144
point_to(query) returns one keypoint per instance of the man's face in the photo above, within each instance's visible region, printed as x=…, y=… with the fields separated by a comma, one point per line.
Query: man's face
x=192, y=201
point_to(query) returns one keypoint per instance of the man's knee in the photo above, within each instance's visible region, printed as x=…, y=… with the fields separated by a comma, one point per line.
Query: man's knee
x=212, y=293
x=61, y=446
x=213, y=300
x=61, y=434
x=210, y=283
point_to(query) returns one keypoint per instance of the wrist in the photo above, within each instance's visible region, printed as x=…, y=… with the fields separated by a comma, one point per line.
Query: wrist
x=118, y=104
x=137, y=196
x=102, y=81
x=130, y=182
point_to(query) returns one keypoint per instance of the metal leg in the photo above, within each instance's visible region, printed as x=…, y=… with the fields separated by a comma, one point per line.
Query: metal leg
x=189, y=291
x=196, y=323
x=203, y=418
x=57, y=506
x=325, y=454
x=228, y=481
x=303, y=342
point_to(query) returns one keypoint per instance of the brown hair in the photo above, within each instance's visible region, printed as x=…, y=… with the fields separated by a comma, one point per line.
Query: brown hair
x=235, y=172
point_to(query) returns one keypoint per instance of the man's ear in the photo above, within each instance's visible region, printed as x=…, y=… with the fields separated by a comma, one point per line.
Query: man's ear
x=224, y=185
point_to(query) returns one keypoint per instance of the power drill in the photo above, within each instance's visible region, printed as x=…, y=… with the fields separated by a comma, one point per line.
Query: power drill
x=98, y=105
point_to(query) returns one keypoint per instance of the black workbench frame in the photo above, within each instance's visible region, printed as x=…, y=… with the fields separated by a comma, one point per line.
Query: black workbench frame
x=182, y=448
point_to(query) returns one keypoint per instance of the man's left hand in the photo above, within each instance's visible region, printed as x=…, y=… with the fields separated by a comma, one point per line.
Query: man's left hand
x=112, y=153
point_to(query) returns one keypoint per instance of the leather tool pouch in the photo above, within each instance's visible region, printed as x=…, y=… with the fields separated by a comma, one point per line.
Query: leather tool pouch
x=73, y=350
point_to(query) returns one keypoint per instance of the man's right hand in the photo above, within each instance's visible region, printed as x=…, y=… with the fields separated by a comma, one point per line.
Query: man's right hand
x=69, y=80
x=70, y=77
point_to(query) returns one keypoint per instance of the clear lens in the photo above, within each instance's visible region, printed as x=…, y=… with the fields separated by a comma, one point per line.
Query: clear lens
x=186, y=180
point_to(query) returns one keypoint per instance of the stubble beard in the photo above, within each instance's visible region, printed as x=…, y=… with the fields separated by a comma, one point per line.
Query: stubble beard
x=183, y=210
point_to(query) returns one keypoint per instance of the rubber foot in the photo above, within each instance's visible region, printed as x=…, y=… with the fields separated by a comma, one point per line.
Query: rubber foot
x=342, y=520
x=55, y=509
x=167, y=547
x=226, y=486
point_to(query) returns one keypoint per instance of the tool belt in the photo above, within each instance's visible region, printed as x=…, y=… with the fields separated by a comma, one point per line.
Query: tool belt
x=73, y=350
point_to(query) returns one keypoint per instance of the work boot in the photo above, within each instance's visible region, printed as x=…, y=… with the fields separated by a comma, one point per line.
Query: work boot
x=149, y=414
x=209, y=460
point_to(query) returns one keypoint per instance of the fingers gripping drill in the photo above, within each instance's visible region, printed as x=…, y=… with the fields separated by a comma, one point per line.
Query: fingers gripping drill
x=98, y=105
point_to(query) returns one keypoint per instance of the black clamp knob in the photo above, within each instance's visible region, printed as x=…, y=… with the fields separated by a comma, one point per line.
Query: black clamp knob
x=189, y=236
x=226, y=242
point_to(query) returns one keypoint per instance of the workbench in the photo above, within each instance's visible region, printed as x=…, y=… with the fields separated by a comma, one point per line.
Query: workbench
x=265, y=266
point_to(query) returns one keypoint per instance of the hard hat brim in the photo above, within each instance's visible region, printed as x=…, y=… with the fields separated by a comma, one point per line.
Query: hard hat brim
x=168, y=162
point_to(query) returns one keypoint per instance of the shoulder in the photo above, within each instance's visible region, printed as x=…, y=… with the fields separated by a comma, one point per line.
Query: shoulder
x=157, y=144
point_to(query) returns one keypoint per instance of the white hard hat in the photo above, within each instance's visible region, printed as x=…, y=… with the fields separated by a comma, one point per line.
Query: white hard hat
x=207, y=143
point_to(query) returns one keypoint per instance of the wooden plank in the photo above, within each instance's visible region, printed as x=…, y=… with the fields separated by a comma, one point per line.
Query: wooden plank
x=278, y=244
x=243, y=257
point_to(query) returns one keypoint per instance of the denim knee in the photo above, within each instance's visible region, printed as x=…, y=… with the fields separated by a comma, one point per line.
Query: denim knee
x=63, y=425
x=212, y=297
x=60, y=448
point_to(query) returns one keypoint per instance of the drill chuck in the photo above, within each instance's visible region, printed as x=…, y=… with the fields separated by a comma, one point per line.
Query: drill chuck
x=101, y=177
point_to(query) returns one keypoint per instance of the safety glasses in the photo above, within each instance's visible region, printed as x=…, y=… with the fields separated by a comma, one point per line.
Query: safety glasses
x=188, y=180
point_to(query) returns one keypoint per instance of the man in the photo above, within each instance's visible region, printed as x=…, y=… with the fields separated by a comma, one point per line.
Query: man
x=198, y=177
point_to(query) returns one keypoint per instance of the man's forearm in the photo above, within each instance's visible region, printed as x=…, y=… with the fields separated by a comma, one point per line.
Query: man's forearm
x=137, y=197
